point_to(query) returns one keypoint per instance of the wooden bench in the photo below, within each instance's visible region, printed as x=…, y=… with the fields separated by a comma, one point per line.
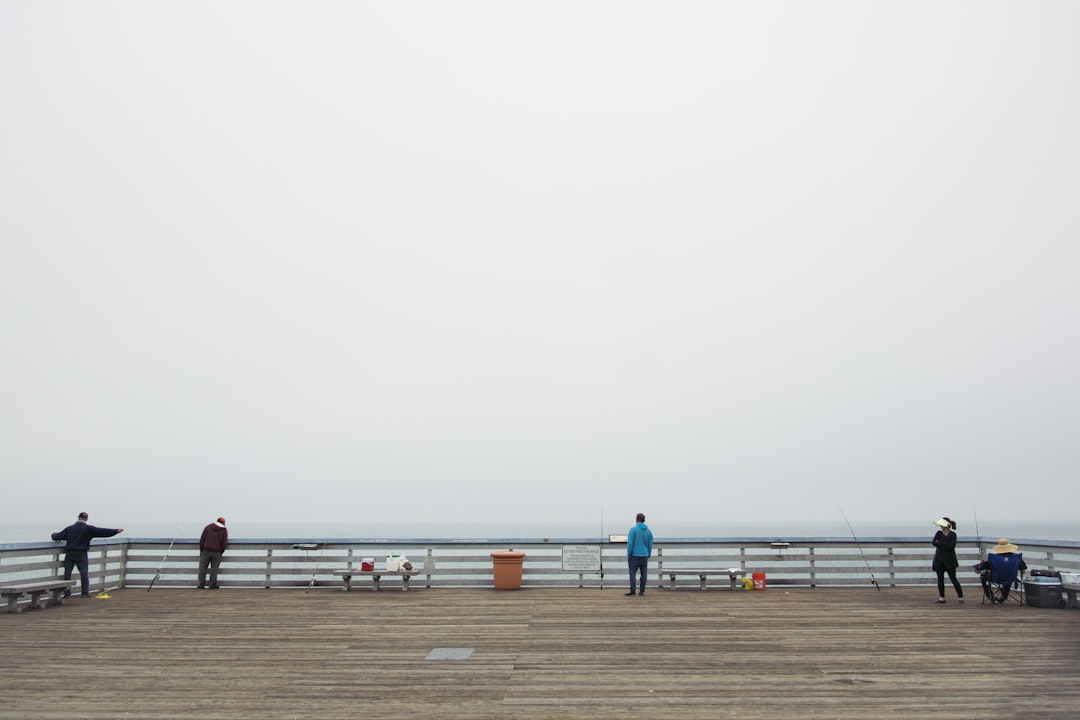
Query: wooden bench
x=14, y=592
x=733, y=575
x=376, y=575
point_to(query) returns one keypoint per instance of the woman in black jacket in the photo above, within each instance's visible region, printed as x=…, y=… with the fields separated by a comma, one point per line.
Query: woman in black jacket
x=945, y=558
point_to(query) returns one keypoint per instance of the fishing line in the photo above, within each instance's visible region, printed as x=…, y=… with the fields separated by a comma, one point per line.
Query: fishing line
x=157, y=573
x=873, y=580
x=104, y=594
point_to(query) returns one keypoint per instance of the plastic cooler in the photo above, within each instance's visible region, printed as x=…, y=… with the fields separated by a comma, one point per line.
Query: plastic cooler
x=759, y=581
x=1043, y=592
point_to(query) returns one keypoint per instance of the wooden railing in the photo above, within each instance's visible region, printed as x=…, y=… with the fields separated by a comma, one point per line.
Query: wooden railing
x=300, y=563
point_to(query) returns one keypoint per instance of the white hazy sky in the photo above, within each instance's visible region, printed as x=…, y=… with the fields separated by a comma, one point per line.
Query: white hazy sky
x=524, y=260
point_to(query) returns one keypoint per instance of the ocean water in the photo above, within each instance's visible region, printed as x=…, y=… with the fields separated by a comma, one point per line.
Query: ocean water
x=24, y=532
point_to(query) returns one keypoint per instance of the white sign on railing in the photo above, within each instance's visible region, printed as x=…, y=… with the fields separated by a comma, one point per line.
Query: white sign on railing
x=581, y=558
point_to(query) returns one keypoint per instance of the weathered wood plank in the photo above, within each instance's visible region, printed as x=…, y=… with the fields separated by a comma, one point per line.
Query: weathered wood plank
x=567, y=653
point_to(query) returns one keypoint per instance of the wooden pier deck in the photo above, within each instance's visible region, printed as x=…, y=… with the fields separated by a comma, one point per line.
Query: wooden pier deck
x=538, y=653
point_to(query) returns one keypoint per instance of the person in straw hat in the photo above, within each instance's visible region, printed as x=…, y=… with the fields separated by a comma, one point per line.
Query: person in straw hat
x=1007, y=549
x=945, y=558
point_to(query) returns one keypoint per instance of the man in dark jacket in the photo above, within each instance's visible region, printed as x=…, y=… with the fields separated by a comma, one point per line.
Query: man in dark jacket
x=212, y=544
x=76, y=539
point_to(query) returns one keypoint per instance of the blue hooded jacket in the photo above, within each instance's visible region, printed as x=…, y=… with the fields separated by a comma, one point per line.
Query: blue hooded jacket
x=639, y=541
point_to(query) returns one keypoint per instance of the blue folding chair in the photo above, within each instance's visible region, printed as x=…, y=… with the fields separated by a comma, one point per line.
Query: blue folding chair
x=1002, y=577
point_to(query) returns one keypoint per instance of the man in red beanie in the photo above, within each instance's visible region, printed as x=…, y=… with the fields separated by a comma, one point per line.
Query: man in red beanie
x=212, y=544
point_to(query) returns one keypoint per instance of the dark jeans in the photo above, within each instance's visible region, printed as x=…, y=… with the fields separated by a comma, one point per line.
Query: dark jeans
x=211, y=560
x=955, y=583
x=638, y=564
x=77, y=559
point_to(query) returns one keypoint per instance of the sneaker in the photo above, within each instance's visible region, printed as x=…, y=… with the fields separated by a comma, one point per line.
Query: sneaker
x=940, y=600
x=630, y=593
x=961, y=601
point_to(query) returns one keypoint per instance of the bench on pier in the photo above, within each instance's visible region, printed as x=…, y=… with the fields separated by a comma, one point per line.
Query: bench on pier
x=53, y=590
x=733, y=575
x=375, y=575
x=1070, y=585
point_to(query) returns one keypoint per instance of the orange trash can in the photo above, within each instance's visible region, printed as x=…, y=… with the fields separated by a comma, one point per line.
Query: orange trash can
x=759, y=581
x=506, y=566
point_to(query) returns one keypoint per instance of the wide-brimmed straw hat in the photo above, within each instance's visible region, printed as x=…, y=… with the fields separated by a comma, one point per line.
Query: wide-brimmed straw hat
x=1004, y=546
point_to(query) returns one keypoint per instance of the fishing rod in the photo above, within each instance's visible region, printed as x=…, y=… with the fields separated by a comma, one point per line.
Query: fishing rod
x=318, y=559
x=157, y=573
x=978, y=535
x=601, y=547
x=873, y=580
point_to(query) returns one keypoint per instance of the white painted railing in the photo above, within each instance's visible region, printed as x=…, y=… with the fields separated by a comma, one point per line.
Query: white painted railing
x=298, y=563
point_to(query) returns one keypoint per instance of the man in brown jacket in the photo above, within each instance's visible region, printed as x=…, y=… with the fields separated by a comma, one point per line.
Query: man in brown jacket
x=212, y=544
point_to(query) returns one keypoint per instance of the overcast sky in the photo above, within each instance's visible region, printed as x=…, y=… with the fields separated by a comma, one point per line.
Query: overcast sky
x=511, y=260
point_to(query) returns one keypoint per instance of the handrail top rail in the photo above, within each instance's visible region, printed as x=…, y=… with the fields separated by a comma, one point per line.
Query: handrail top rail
x=793, y=542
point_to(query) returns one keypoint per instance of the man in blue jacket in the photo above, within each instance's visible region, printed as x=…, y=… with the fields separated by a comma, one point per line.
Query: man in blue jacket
x=76, y=539
x=638, y=550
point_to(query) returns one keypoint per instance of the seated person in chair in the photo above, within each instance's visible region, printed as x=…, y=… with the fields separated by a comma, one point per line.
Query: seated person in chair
x=1003, y=568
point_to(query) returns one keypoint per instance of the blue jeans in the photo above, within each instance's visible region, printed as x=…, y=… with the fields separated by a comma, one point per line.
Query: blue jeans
x=638, y=564
x=77, y=559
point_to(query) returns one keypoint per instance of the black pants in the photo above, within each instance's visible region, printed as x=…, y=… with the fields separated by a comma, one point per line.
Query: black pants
x=989, y=587
x=952, y=577
x=77, y=559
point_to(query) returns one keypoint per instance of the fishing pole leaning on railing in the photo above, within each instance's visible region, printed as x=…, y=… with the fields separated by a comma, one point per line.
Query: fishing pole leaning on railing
x=318, y=559
x=157, y=573
x=873, y=580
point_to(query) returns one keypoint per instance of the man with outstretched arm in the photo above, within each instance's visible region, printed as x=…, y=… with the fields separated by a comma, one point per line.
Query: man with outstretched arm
x=76, y=539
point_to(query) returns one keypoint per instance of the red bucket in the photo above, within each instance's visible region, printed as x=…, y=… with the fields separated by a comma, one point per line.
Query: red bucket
x=759, y=581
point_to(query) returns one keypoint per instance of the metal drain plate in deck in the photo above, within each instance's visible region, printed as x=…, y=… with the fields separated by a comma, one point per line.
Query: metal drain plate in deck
x=450, y=654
